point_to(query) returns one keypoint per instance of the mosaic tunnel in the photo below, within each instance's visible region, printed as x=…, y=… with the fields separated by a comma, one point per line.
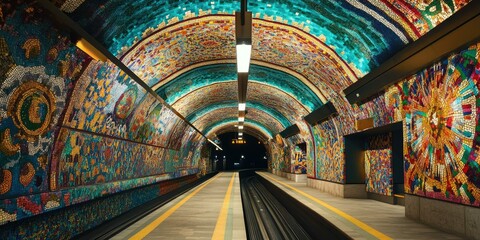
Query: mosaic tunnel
x=89, y=140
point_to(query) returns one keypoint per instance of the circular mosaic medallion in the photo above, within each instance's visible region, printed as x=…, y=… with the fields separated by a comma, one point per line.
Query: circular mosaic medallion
x=31, y=107
x=125, y=103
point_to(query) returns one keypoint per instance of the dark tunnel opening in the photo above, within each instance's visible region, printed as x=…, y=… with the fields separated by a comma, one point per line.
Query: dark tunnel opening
x=235, y=156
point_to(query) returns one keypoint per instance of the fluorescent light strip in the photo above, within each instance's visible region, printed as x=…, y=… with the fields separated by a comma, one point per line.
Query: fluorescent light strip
x=212, y=142
x=244, y=52
x=242, y=106
x=240, y=127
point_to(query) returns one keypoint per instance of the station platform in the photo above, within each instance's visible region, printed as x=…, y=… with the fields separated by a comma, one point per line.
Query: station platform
x=359, y=218
x=213, y=210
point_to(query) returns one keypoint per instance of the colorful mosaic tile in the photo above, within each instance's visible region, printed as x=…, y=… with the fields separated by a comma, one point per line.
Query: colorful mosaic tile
x=69, y=222
x=37, y=70
x=378, y=171
x=72, y=133
x=365, y=33
x=210, y=119
x=203, y=76
x=227, y=91
x=193, y=117
x=299, y=163
x=439, y=109
x=378, y=165
x=330, y=162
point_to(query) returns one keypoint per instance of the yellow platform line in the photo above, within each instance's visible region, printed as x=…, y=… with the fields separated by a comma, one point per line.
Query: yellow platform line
x=219, y=232
x=150, y=227
x=339, y=212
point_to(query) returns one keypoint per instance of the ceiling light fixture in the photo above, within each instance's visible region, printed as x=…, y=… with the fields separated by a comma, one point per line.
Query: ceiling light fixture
x=242, y=106
x=244, y=51
x=243, y=36
x=212, y=142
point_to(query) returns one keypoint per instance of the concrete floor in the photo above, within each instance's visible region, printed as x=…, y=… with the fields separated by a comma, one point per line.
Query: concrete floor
x=196, y=214
x=386, y=219
x=213, y=210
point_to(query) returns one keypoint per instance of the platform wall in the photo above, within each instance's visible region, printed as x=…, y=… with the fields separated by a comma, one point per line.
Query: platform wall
x=439, y=109
x=74, y=130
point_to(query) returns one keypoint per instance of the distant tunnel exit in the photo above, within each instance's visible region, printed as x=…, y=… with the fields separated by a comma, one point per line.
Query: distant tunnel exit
x=250, y=154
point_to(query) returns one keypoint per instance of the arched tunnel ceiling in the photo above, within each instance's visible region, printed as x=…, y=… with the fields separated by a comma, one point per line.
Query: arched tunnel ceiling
x=203, y=76
x=363, y=32
x=213, y=118
x=209, y=38
x=233, y=104
x=226, y=129
x=259, y=93
x=186, y=50
x=228, y=125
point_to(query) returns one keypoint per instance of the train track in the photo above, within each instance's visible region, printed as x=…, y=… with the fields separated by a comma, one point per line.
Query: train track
x=272, y=214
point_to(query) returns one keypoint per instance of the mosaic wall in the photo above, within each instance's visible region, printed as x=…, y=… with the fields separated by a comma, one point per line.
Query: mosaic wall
x=288, y=106
x=280, y=154
x=190, y=151
x=69, y=222
x=330, y=162
x=205, y=164
x=106, y=101
x=345, y=120
x=74, y=130
x=36, y=72
x=328, y=136
x=299, y=164
x=86, y=159
x=439, y=108
x=378, y=165
x=14, y=209
x=145, y=136
x=305, y=137
x=376, y=109
x=376, y=29
x=218, y=92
